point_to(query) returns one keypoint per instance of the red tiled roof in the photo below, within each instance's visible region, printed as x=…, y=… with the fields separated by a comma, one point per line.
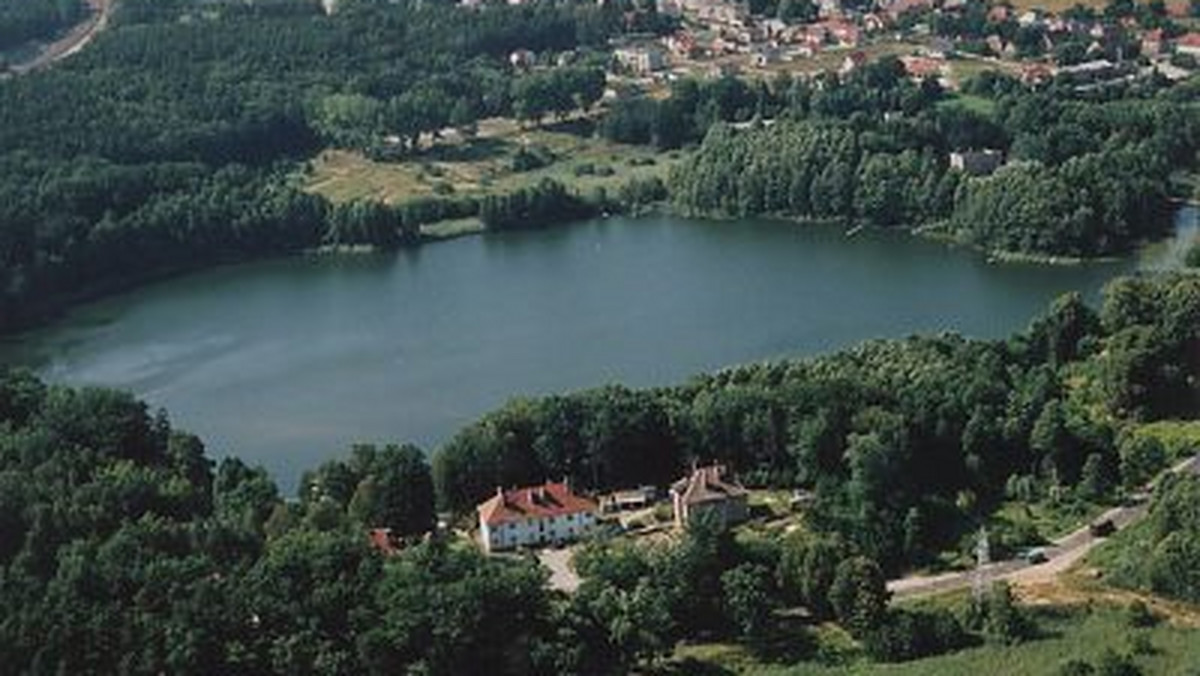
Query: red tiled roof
x=1189, y=40
x=548, y=500
x=920, y=66
x=381, y=539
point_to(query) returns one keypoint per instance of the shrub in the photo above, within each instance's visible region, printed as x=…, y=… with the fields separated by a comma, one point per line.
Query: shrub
x=1139, y=615
x=530, y=158
x=1076, y=668
x=910, y=635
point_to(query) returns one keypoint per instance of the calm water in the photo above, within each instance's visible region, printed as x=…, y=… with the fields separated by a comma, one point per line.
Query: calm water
x=288, y=362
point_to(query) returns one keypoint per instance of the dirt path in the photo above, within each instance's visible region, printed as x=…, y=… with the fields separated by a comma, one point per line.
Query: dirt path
x=1060, y=555
x=76, y=39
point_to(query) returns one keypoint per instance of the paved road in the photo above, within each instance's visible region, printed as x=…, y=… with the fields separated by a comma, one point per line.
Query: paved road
x=1061, y=554
x=72, y=42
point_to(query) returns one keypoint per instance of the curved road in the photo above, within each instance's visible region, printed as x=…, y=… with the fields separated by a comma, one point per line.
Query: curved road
x=75, y=40
x=1060, y=555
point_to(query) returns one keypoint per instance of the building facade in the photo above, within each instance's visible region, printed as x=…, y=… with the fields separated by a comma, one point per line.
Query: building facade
x=707, y=491
x=534, y=516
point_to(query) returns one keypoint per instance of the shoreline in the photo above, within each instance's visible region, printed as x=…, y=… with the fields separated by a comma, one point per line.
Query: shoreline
x=54, y=309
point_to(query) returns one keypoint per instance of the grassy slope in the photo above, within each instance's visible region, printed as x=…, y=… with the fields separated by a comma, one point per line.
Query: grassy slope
x=482, y=166
x=1076, y=633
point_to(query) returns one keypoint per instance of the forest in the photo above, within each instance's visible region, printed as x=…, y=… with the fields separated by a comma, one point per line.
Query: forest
x=25, y=20
x=1083, y=178
x=124, y=548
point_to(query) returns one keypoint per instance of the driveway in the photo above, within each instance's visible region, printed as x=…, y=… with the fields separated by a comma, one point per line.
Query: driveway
x=562, y=573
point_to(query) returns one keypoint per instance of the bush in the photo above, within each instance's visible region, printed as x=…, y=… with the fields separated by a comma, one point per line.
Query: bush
x=663, y=512
x=1139, y=644
x=909, y=635
x=1076, y=668
x=531, y=157
x=1139, y=615
x=1112, y=664
x=999, y=617
x=1192, y=257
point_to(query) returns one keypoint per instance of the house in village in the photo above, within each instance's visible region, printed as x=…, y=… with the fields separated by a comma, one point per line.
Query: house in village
x=765, y=56
x=534, y=516
x=682, y=44
x=977, y=162
x=923, y=67
x=1188, y=44
x=1152, y=42
x=640, y=60
x=852, y=62
x=384, y=541
x=1034, y=74
x=522, y=59
x=707, y=491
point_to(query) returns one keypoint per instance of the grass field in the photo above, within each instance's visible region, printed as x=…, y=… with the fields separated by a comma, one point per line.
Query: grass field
x=1076, y=633
x=484, y=166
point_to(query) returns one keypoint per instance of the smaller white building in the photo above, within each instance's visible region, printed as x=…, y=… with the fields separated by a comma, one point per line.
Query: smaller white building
x=534, y=516
x=640, y=60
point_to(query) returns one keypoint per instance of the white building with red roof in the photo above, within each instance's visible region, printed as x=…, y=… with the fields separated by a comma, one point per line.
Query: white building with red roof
x=1188, y=44
x=534, y=516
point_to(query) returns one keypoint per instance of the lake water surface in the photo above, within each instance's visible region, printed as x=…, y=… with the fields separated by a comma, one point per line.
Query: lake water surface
x=288, y=362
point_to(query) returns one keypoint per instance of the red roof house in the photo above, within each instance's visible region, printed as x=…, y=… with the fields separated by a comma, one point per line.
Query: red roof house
x=1188, y=44
x=533, y=516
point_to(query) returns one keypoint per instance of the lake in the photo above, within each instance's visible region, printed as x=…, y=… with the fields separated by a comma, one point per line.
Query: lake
x=288, y=362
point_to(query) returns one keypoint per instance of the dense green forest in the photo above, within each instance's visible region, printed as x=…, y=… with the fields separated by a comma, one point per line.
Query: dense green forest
x=123, y=548
x=1084, y=177
x=24, y=20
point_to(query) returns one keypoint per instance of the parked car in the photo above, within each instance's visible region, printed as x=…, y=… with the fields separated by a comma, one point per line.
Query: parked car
x=1102, y=529
x=1035, y=556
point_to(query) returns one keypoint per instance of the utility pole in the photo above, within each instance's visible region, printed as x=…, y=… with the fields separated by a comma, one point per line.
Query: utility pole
x=983, y=557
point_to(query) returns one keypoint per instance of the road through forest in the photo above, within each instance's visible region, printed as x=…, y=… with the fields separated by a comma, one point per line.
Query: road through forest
x=1060, y=554
x=75, y=39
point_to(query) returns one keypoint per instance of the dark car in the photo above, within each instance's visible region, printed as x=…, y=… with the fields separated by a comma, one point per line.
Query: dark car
x=1102, y=529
